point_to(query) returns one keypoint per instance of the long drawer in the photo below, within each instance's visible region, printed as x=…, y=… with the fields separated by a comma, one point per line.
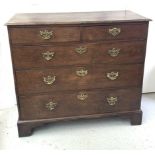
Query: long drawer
x=120, y=52
x=67, y=104
x=80, y=77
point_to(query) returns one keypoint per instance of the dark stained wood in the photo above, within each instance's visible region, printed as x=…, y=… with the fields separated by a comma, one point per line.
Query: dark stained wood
x=32, y=56
x=136, y=118
x=25, y=128
x=129, y=52
x=70, y=31
x=32, y=35
x=76, y=18
x=34, y=107
x=31, y=81
x=128, y=31
x=27, y=57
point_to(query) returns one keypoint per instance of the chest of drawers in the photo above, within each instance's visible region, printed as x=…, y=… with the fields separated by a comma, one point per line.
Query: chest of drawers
x=77, y=65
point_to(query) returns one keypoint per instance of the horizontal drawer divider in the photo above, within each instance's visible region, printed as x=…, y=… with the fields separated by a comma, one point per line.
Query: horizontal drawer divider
x=75, y=42
x=80, y=65
x=78, y=90
x=81, y=42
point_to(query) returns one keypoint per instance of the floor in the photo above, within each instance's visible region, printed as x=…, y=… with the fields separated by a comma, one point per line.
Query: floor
x=88, y=134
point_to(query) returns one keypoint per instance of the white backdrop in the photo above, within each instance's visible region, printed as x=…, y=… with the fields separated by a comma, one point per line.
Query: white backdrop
x=9, y=7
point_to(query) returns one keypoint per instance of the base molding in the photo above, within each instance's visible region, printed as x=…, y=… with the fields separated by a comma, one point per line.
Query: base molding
x=26, y=127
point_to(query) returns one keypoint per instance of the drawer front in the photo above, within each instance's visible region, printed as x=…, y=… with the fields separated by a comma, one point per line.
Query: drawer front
x=122, y=31
x=119, y=52
x=73, y=78
x=27, y=57
x=46, y=56
x=36, y=35
x=67, y=104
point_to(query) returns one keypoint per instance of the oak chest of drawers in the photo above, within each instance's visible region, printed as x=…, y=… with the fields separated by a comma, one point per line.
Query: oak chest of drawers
x=77, y=65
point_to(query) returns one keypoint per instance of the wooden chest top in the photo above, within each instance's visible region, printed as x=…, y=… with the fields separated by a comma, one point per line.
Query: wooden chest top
x=75, y=18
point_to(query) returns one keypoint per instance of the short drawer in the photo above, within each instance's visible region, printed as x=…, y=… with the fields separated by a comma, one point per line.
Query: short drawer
x=81, y=77
x=115, y=31
x=34, y=35
x=78, y=103
x=119, y=52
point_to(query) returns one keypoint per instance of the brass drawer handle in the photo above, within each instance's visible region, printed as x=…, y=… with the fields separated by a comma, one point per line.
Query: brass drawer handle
x=81, y=50
x=114, y=31
x=114, y=52
x=82, y=96
x=112, y=100
x=51, y=105
x=112, y=75
x=81, y=72
x=46, y=35
x=48, y=55
x=49, y=80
